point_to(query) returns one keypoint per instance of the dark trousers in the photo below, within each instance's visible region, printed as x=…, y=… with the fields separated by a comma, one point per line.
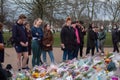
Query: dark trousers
x=2, y=56
x=36, y=49
x=78, y=47
x=75, y=52
x=81, y=50
x=115, y=46
x=92, y=50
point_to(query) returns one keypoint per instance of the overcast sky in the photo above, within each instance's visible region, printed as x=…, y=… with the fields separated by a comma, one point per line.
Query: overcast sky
x=20, y=11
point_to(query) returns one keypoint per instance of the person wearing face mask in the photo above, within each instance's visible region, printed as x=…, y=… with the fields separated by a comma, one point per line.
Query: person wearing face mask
x=91, y=37
x=37, y=35
x=101, y=37
x=115, y=38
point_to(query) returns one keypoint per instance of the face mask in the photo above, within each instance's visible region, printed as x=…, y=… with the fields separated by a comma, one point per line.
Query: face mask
x=114, y=27
x=102, y=28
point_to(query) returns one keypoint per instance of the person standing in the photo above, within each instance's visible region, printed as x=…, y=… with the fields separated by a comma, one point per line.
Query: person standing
x=102, y=37
x=37, y=35
x=19, y=35
x=82, y=33
x=1, y=44
x=91, y=39
x=65, y=53
x=115, y=38
x=47, y=43
x=29, y=34
x=119, y=34
x=68, y=39
x=96, y=41
x=77, y=34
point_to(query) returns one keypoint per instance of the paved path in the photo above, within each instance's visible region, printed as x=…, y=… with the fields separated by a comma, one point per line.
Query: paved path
x=11, y=56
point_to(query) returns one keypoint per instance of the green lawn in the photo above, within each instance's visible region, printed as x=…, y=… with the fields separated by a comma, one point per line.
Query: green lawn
x=6, y=36
x=108, y=41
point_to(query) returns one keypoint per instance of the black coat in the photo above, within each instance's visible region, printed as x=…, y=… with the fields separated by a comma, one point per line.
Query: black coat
x=91, y=38
x=1, y=51
x=19, y=34
x=119, y=35
x=115, y=35
x=68, y=38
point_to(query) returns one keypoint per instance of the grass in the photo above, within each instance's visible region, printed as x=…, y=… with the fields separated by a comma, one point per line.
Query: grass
x=6, y=36
x=57, y=39
x=108, y=42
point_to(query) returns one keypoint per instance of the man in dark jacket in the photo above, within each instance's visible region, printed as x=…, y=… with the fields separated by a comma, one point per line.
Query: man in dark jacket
x=19, y=35
x=115, y=38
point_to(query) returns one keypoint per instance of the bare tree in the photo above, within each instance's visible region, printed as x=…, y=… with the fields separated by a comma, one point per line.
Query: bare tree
x=113, y=10
x=2, y=10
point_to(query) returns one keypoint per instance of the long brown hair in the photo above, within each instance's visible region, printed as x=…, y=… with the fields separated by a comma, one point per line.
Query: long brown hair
x=47, y=32
x=45, y=26
x=25, y=24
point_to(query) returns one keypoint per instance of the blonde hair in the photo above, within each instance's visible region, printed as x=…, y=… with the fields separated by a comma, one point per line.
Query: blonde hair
x=35, y=21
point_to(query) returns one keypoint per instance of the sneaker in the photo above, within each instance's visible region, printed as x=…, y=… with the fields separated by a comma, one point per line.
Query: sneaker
x=27, y=68
x=19, y=69
x=102, y=54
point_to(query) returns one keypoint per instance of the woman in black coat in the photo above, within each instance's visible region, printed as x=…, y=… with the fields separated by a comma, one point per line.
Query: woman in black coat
x=68, y=40
x=91, y=40
x=115, y=39
x=1, y=44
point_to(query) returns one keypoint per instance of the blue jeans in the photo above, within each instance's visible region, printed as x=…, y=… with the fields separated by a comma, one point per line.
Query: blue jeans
x=97, y=45
x=50, y=55
x=65, y=55
x=70, y=54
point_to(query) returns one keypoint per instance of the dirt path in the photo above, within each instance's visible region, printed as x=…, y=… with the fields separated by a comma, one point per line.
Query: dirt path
x=11, y=56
